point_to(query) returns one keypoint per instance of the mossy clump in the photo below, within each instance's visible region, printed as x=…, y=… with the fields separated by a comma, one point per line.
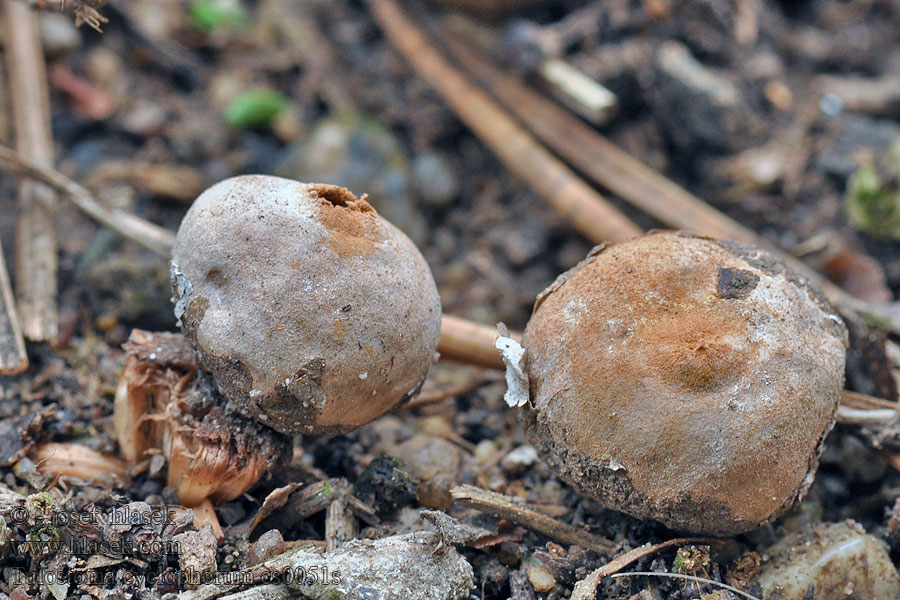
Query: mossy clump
x=872, y=200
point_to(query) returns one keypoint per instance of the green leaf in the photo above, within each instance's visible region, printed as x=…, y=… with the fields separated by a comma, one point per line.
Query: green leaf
x=255, y=108
x=219, y=14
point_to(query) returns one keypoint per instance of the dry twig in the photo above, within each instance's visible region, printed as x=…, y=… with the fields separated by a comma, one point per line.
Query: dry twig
x=469, y=342
x=588, y=211
x=36, y=262
x=505, y=507
x=153, y=237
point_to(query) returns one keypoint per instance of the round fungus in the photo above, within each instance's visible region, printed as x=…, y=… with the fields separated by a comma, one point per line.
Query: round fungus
x=684, y=379
x=312, y=313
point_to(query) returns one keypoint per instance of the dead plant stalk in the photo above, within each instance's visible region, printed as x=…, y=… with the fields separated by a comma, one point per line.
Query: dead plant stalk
x=35, y=261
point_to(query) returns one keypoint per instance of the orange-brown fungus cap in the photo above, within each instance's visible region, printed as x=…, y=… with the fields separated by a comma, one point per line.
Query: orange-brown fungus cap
x=684, y=379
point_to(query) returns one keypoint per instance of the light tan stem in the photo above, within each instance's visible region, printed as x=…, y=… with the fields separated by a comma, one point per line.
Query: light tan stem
x=36, y=262
x=205, y=514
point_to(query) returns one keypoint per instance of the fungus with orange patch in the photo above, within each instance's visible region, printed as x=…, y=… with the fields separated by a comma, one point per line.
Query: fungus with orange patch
x=684, y=379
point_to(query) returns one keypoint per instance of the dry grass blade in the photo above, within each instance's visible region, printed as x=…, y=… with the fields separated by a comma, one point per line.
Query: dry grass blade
x=35, y=261
x=586, y=589
x=860, y=416
x=865, y=402
x=153, y=237
x=587, y=210
x=651, y=192
x=505, y=507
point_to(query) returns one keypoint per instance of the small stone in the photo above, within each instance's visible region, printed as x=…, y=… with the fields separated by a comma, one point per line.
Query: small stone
x=519, y=459
x=58, y=34
x=360, y=153
x=197, y=554
x=541, y=579
x=484, y=450
x=416, y=565
x=434, y=179
x=832, y=561
x=269, y=545
x=436, y=464
x=143, y=117
x=779, y=95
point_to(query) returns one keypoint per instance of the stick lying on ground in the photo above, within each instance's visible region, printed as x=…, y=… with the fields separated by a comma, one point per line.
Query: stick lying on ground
x=35, y=260
x=504, y=507
x=153, y=237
